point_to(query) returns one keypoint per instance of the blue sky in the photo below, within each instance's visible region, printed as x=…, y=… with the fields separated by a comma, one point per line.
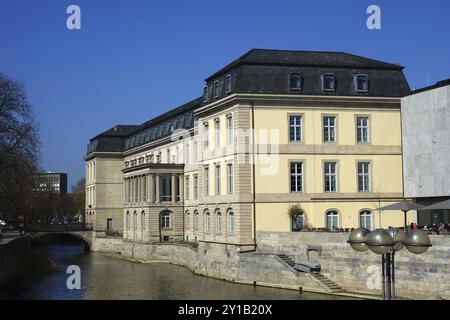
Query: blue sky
x=135, y=59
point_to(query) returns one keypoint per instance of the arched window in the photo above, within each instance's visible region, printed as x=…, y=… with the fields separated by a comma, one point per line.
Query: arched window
x=166, y=220
x=218, y=222
x=127, y=220
x=143, y=220
x=208, y=222
x=188, y=220
x=135, y=220
x=231, y=223
x=365, y=219
x=332, y=220
x=196, y=218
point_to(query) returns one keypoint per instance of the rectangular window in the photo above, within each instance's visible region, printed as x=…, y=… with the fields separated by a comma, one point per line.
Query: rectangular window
x=187, y=188
x=295, y=81
x=166, y=187
x=205, y=94
x=295, y=128
x=206, y=135
x=217, y=174
x=330, y=177
x=229, y=129
x=329, y=129
x=177, y=188
x=363, y=176
x=195, y=187
x=206, y=181
x=217, y=133
x=229, y=178
x=362, y=129
x=231, y=223
x=216, y=89
x=228, y=83
x=361, y=83
x=186, y=153
x=109, y=224
x=296, y=176
x=328, y=83
x=195, y=152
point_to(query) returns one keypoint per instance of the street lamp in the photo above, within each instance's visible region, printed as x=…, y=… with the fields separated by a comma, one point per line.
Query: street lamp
x=386, y=242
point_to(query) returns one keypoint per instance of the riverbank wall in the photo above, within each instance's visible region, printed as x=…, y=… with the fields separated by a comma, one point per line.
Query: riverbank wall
x=425, y=276
x=12, y=255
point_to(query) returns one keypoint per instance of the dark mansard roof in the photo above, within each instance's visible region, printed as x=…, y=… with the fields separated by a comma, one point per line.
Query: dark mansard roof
x=267, y=72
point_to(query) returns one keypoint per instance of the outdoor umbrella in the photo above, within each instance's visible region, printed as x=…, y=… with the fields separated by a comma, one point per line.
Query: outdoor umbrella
x=404, y=206
x=444, y=205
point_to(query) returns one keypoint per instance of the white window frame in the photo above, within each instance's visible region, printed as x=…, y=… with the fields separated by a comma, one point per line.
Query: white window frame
x=231, y=223
x=327, y=75
x=229, y=123
x=361, y=127
x=334, y=214
x=356, y=82
x=217, y=133
x=364, y=174
x=228, y=83
x=364, y=215
x=296, y=175
x=295, y=127
x=328, y=128
x=328, y=174
x=217, y=180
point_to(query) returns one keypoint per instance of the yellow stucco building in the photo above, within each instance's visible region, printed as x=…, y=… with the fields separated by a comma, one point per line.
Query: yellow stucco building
x=273, y=129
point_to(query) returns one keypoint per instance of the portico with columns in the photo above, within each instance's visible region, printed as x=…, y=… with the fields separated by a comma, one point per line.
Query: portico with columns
x=153, y=208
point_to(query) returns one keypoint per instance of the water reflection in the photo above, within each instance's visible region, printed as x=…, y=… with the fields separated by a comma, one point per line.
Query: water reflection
x=107, y=277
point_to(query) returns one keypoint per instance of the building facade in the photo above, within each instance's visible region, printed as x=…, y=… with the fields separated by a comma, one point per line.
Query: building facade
x=320, y=130
x=426, y=136
x=50, y=181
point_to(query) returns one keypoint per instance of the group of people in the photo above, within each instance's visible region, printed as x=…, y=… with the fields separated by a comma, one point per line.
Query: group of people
x=435, y=228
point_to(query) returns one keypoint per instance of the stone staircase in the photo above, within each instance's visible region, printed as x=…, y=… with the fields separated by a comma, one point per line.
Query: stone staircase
x=328, y=284
x=332, y=286
x=287, y=262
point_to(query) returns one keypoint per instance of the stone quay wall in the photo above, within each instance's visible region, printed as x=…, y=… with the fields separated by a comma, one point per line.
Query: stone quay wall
x=417, y=276
x=12, y=254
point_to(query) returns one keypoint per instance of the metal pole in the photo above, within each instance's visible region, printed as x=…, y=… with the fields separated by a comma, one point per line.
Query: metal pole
x=383, y=276
x=393, y=276
x=388, y=273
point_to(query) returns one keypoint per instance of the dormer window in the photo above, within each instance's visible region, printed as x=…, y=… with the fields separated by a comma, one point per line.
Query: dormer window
x=216, y=89
x=295, y=82
x=328, y=83
x=361, y=83
x=205, y=94
x=228, y=83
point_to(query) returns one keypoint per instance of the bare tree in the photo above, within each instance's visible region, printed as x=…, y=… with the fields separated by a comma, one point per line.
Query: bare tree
x=19, y=148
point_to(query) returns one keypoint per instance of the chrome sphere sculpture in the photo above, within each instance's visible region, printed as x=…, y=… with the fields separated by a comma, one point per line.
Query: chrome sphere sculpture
x=417, y=242
x=380, y=241
x=358, y=238
x=386, y=243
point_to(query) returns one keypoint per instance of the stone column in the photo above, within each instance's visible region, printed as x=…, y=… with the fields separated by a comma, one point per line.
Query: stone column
x=174, y=193
x=150, y=188
x=158, y=188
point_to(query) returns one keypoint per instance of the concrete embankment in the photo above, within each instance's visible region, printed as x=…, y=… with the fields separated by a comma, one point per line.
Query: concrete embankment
x=425, y=276
x=13, y=254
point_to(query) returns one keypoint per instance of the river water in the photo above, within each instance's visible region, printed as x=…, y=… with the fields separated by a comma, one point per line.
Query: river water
x=106, y=276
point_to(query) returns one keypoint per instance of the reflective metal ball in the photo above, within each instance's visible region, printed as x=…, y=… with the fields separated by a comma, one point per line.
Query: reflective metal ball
x=417, y=241
x=357, y=239
x=380, y=241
